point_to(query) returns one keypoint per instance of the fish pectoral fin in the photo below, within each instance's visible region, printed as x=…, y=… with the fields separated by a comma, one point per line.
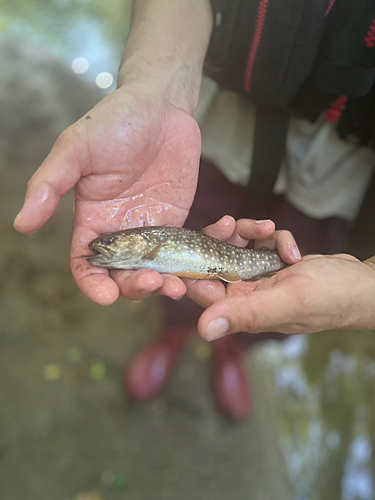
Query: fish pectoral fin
x=151, y=255
x=229, y=277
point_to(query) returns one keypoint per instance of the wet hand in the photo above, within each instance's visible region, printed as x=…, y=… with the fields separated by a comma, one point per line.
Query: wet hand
x=133, y=160
x=320, y=293
x=207, y=292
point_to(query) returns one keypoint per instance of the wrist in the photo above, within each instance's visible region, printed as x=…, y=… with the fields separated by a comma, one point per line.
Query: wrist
x=166, y=48
x=362, y=305
x=178, y=83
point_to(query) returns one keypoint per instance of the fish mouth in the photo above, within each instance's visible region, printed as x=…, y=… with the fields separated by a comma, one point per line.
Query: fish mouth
x=102, y=255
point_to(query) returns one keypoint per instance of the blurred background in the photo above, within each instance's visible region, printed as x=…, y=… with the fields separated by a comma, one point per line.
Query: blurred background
x=67, y=429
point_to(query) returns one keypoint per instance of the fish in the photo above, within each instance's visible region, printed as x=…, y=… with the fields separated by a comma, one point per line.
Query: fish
x=182, y=252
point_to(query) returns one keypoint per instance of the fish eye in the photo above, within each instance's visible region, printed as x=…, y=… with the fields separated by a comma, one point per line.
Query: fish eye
x=108, y=240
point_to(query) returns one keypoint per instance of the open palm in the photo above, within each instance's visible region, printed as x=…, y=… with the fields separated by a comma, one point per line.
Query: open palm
x=133, y=160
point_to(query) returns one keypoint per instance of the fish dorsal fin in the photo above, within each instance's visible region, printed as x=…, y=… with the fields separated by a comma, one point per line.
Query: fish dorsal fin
x=229, y=277
x=154, y=253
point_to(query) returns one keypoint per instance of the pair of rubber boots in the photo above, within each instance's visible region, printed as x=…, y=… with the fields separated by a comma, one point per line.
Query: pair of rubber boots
x=151, y=368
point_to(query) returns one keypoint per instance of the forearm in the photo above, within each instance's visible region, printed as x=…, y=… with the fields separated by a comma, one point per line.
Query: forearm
x=167, y=45
x=364, y=311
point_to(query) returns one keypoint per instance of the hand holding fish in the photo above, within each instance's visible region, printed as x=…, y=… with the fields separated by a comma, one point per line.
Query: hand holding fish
x=193, y=254
x=133, y=160
x=320, y=293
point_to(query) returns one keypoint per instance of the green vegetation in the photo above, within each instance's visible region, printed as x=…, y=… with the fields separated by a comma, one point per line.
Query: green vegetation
x=52, y=18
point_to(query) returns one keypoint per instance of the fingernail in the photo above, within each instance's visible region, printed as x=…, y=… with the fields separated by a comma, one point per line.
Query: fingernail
x=262, y=221
x=217, y=328
x=296, y=253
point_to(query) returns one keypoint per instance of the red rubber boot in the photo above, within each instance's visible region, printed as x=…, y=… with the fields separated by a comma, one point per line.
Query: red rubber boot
x=231, y=384
x=151, y=368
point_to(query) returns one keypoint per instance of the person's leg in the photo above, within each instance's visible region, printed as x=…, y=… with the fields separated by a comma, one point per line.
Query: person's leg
x=151, y=368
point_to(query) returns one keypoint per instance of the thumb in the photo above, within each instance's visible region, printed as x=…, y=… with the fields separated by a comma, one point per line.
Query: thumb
x=269, y=310
x=56, y=176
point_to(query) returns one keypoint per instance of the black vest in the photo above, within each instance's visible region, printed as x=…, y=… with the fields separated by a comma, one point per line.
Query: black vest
x=308, y=56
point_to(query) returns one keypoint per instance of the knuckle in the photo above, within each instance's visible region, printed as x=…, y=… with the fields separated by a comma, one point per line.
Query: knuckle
x=63, y=137
x=30, y=182
x=67, y=137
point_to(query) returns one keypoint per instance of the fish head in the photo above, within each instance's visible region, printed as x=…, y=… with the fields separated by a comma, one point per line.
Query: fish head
x=116, y=250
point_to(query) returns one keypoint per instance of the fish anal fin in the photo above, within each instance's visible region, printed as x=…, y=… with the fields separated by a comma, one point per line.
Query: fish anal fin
x=153, y=254
x=195, y=275
x=229, y=277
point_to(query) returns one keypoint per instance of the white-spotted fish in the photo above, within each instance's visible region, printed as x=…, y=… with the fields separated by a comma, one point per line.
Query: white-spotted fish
x=182, y=252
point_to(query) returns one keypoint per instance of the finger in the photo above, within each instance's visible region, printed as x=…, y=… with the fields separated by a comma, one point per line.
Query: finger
x=260, y=311
x=314, y=256
x=205, y=292
x=172, y=287
x=222, y=229
x=56, y=176
x=346, y=256
x=243, y=287
x=137, y=285
x=250, y=229
x=343, y=256
x=99, y=287
x=285, y=244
